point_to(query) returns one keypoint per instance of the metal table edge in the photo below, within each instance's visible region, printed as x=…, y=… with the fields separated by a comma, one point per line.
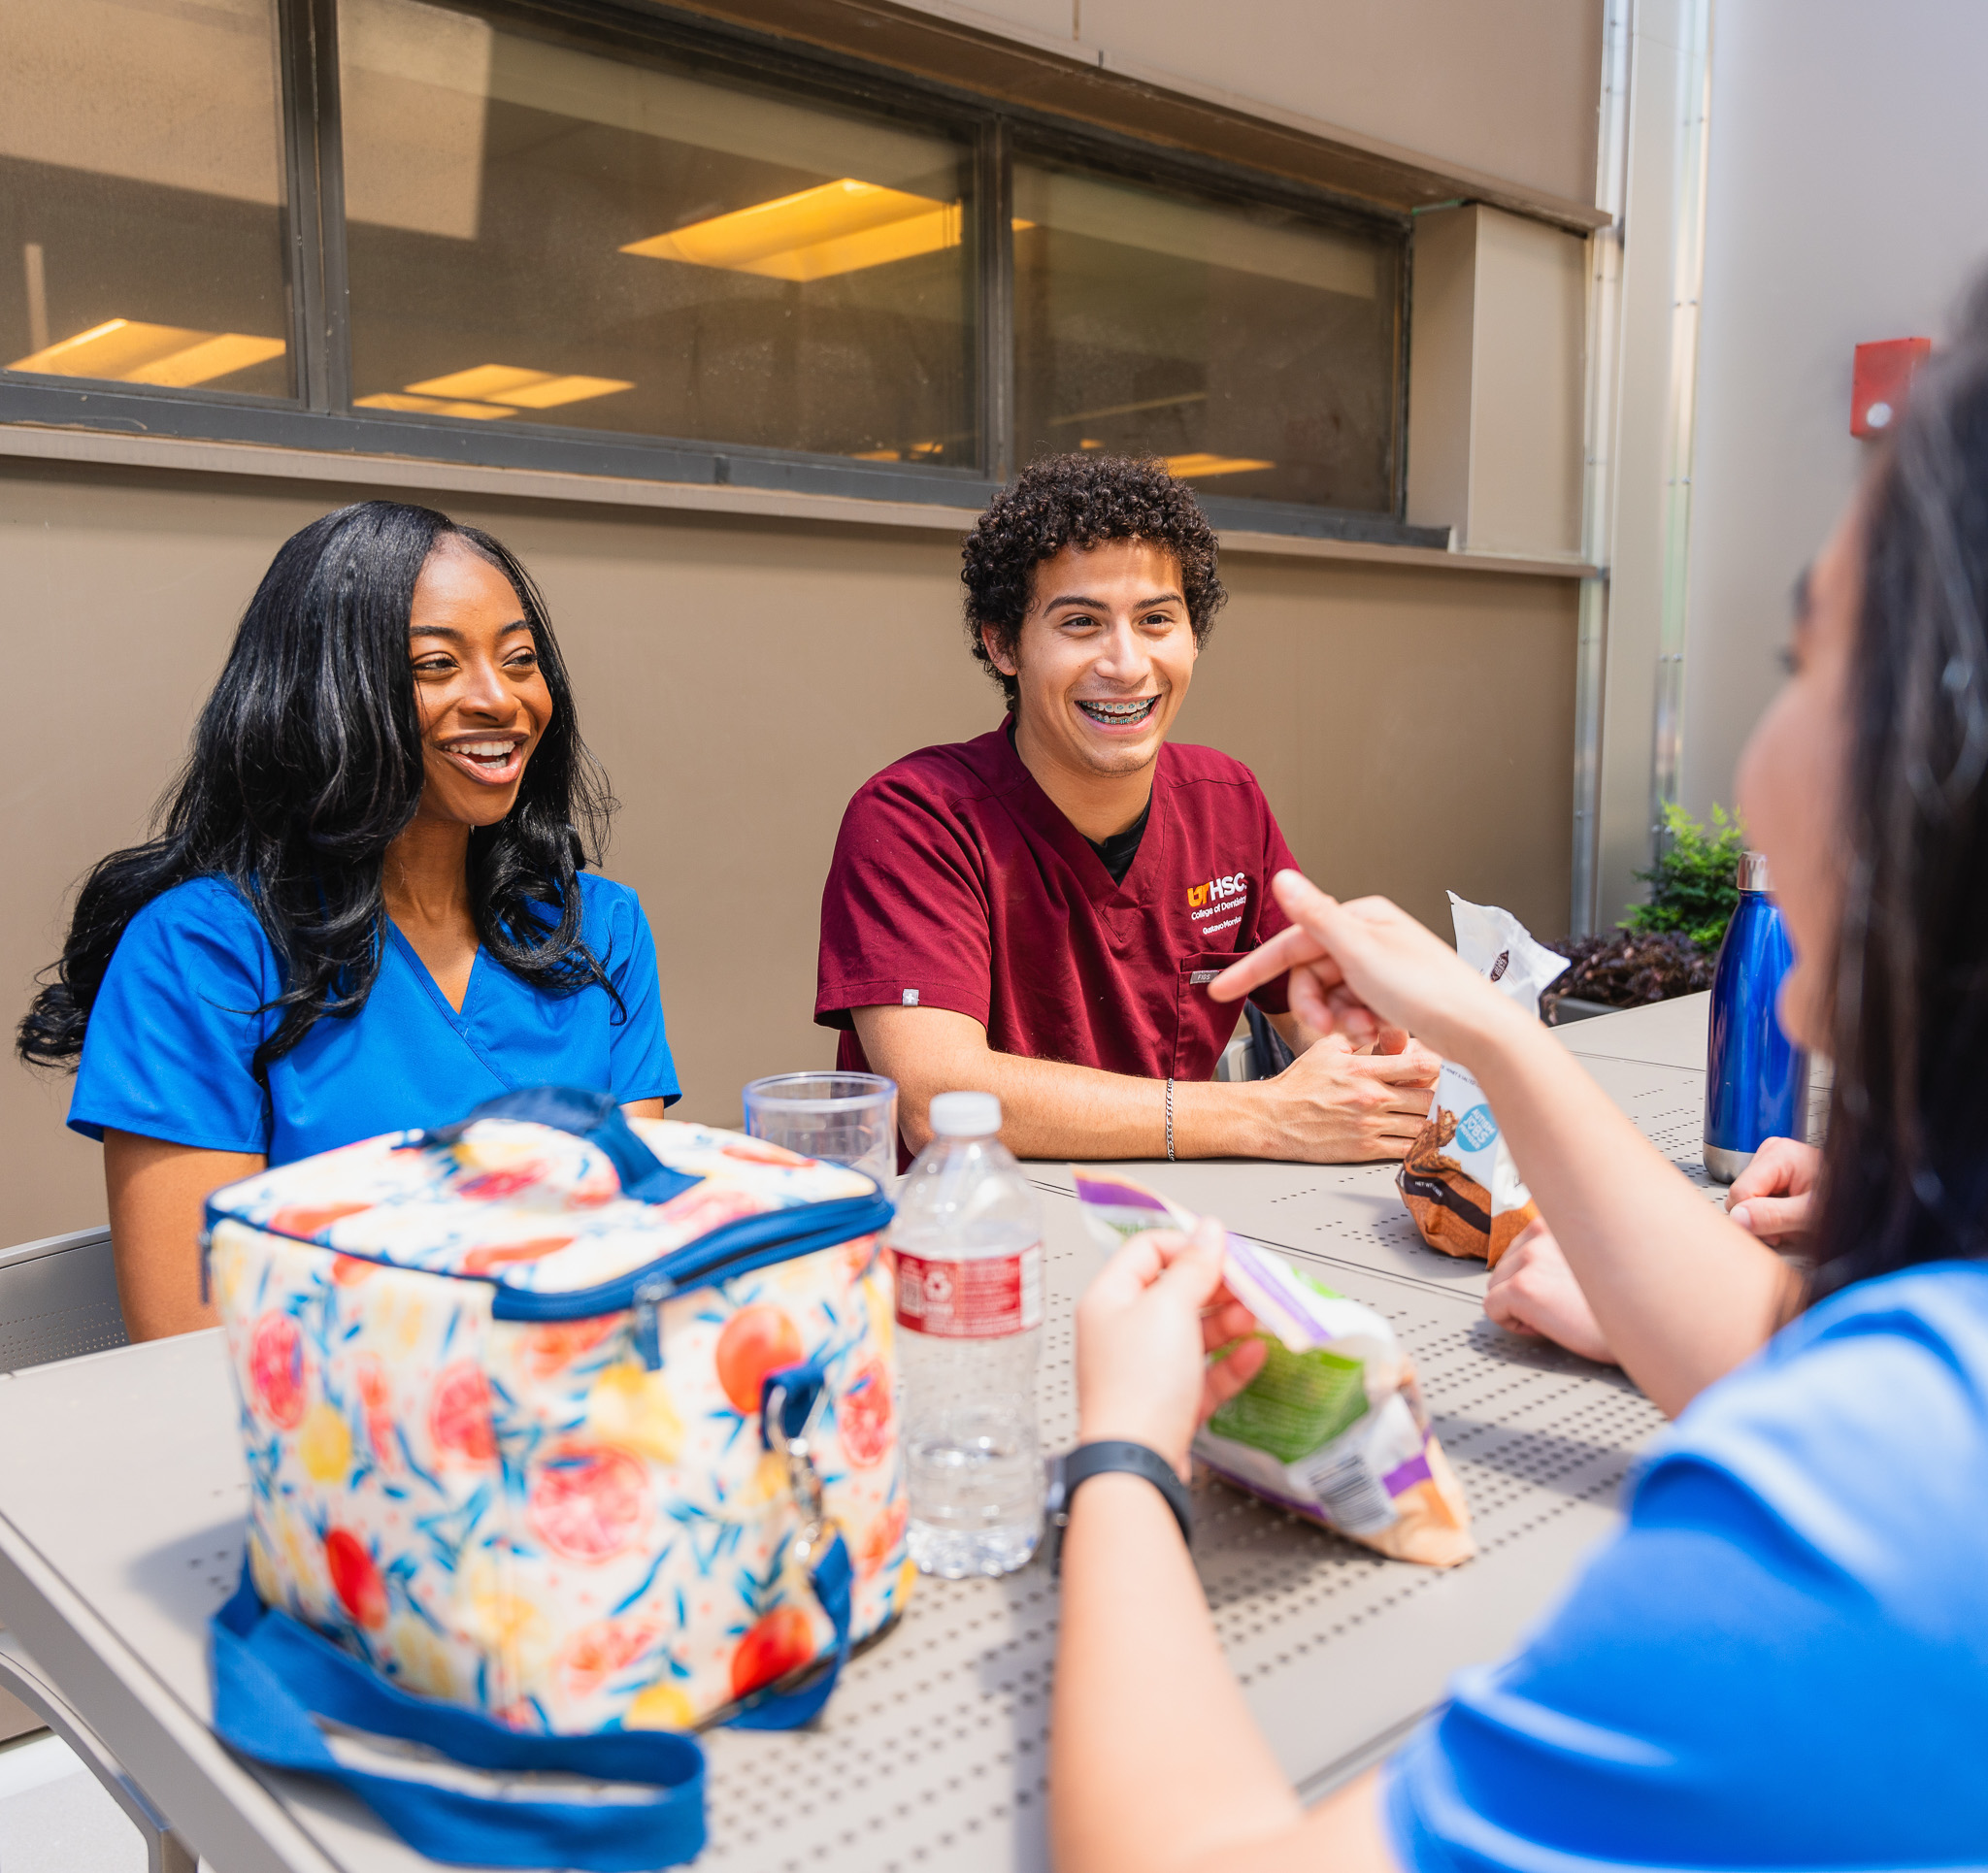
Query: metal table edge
x=209, y=1795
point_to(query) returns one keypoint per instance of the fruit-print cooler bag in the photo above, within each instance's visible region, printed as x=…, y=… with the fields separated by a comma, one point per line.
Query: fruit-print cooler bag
x=566, y=1437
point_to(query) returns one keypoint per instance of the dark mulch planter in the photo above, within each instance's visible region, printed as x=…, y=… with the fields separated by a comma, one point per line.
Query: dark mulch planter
x=1627, y=970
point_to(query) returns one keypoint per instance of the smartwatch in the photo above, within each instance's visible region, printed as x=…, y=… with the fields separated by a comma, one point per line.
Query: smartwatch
x=1086, y=1461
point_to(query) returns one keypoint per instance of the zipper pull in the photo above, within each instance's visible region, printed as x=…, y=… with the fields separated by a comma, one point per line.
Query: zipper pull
x=206, y=1271
x=649, y=1295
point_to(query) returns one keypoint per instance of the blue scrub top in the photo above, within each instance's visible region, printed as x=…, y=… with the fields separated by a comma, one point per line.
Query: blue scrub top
x=173, y=1030
x=1782, y=1661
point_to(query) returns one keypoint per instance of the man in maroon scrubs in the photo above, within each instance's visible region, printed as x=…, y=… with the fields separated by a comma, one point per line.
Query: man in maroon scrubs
x=1038, y=912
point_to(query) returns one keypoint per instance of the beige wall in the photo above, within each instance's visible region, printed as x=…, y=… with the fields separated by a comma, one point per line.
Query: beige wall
x=1508, y=90
x=739, y=677
x=1495, y=379
x=1412, y=729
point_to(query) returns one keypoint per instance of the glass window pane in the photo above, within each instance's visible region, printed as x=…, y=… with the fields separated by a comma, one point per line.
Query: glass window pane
x=1251, y=348
x=142, y=193
x=540, y=233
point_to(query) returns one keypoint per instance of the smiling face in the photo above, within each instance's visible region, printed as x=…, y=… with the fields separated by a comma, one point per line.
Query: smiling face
x=483, y=698
x=1102, y=659
x=1791, y=785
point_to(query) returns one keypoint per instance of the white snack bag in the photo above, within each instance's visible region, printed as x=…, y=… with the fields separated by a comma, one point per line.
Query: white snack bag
x=1332, y=1428
x=1458, y=1179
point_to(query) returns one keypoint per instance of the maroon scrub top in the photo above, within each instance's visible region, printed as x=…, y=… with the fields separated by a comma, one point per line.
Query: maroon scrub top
x=957, y=883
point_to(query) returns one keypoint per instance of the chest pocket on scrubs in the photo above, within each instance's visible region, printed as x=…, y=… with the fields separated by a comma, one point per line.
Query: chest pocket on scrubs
x=1202, y=1024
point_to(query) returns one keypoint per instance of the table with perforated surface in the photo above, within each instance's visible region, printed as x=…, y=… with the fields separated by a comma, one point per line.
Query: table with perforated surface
x=121, y=1499
x=932, y=1751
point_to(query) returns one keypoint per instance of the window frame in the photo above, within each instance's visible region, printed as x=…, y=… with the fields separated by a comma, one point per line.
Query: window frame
x=319, y=415
x=1209, y=180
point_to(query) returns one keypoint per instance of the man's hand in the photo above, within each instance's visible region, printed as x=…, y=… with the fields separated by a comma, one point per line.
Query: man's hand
x=1775, y=1197
x=1533, y=1292
x=1145, y=1328
x=1333, y=1105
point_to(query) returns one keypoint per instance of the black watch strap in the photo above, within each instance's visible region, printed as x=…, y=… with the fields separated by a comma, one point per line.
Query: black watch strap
x=1094, y=1460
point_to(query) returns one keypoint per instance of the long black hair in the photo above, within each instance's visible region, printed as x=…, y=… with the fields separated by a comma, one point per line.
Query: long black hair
x=307, y=764
x=1906, y=1168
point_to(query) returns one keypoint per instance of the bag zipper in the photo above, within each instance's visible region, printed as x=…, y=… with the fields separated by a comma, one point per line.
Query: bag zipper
x=737, y=1248
x=650, y=1296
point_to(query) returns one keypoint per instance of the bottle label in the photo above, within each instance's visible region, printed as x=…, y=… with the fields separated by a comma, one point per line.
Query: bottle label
x=983, y=1298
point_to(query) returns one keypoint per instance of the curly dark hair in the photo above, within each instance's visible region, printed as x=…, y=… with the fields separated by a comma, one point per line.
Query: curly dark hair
x=1081, y=501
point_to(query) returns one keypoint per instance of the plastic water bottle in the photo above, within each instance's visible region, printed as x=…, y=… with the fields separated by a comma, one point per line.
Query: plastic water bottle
x=968, y=1238
x=1756, y=1083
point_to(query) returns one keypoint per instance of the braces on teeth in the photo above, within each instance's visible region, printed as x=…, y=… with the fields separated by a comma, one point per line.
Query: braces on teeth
x=1120, y=712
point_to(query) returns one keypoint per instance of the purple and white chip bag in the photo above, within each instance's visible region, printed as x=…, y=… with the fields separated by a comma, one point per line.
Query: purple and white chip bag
x=1332, y=1428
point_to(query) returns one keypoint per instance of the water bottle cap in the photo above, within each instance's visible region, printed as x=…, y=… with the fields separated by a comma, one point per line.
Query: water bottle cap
x=1753, y=872
x=966, y=1115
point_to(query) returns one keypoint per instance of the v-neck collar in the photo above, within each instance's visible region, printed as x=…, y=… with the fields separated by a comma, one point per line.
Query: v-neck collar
x=457, y=1017
x=1077, y=852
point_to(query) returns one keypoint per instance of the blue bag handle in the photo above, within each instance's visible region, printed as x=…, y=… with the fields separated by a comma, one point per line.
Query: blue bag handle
x=596, y=1117
x=789, y=1400
x=272, y=1673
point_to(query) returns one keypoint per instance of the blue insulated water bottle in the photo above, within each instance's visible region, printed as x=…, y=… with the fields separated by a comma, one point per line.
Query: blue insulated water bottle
x=1756, y=1083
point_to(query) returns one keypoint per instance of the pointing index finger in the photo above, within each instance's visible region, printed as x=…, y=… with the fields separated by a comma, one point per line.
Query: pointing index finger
x=1290, y=946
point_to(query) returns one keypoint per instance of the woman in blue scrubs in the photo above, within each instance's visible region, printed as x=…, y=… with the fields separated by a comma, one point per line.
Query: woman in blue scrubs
x=1778, y=1662
x=365, y=910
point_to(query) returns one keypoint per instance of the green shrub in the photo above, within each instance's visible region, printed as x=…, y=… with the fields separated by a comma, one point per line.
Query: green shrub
x=1693, y=887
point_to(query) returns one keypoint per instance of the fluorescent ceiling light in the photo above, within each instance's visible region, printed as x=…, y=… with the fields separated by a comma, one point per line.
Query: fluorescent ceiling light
x=840, y=227
x=487, y=390
x=219, y=356
x=127, y=350
x=1130, y=408
x=526, y=389
x=910, y=452
x=434, y=405
x=1201, y=467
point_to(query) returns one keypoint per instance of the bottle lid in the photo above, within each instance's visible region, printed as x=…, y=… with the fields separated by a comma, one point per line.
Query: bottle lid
x=966, y=1115
x=1753, y=872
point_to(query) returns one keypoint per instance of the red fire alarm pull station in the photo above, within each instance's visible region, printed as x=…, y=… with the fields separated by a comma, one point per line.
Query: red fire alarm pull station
x=1880, y=379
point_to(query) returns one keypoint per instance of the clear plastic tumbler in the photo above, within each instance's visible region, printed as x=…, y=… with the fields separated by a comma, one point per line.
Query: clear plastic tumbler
x=845, y=1118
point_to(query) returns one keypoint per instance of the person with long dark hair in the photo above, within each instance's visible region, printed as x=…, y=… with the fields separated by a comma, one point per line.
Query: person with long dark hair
x=1781, y=1659
x=364, y=908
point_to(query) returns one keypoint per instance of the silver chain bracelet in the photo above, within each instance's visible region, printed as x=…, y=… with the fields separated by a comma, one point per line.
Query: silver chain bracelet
x=1170, y=1120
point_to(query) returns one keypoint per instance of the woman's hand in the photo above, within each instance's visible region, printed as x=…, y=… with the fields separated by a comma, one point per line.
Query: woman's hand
x=1775, y=1197
x=1532, y=1290
x=1145, y=1328
x=1364, y=967
x=1156, y=1764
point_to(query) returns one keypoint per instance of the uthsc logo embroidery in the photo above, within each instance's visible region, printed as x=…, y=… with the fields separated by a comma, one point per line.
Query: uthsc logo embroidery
x=1216, y=891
